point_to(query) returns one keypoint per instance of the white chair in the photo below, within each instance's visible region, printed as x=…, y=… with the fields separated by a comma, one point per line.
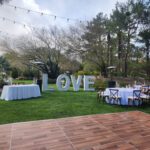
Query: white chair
x=146, y=96
x=101, y=94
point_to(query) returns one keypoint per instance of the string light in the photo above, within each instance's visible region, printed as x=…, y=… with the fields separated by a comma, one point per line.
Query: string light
x=6, y=33
x=28, y=11
x=42, y=13
x=15, y=22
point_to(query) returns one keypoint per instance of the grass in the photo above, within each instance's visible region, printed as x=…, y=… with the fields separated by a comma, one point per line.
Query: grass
x=57, y=105
x=22, y=81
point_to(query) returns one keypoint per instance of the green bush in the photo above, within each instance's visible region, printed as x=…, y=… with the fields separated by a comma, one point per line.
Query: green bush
x=82, y=73
x=122, y=84
x=1, y=81
x=99, y=83
x=14, y=73
x=95, y=73
x=52, y=81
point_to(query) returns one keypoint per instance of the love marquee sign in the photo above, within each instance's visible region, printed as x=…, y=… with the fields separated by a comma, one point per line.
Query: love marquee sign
x=87, y=80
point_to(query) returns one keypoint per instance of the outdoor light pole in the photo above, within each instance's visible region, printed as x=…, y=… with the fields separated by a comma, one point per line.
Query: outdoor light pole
x=39, y=80
x=111, y=83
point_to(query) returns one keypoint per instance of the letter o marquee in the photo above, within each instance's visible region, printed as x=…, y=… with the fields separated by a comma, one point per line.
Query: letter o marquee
x=59, y=83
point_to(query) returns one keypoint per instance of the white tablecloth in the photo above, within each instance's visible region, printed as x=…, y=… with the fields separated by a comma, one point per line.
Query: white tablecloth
x=13, y=92
x=138, y=87
x=123, y=92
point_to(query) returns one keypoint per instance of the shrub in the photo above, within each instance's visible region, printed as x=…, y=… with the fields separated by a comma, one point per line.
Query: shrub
x=95, y=73
x=82, y=73
x=14, y=73
x=21, y=78
x=122, y=83
x=52, y=81
x=99, y=83
x=1, y=81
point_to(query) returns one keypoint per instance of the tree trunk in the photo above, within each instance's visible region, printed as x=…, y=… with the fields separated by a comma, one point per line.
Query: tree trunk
x=126, y=66
x=119, y=49
x=147, y=51
x=104, y=70
x=126, y=56
x=147, y=57
x=108, y=49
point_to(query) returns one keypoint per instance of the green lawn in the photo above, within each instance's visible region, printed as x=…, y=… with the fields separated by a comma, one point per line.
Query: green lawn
x=22, y=81
x=57, y=105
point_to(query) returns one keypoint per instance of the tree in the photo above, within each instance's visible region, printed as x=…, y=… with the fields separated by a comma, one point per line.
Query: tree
x=125, y=18
x=14, y=73
x=4, y=65
x=42, y=50
x=11, y=53
x=73, y=42
x=144, y=31
x=67, y=64
x=3, y=1
x=145, y=38
x=96, y=43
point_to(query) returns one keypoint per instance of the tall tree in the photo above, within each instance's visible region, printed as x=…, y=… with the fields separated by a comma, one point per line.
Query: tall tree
x=143, y=12
x=145, y=38
x=126, y=21
x=3, y=1
x=4, y=65
x=42, y=50
x=96, y=43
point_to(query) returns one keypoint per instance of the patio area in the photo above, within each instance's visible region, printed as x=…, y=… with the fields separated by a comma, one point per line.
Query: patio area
x=127, y=130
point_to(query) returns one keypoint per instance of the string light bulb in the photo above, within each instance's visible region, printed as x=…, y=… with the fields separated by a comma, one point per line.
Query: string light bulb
x=42, y=13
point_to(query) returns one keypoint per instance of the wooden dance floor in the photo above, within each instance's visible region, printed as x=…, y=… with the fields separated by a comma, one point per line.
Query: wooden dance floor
x=116, y=131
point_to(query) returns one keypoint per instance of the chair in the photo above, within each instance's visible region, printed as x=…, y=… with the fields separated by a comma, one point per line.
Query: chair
x=144, y=89
x=135, y=97
x=146, y=96
x=114, y=96
x=101, y=95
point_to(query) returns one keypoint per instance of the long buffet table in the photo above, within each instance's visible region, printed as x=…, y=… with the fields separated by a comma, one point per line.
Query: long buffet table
x=14, y=92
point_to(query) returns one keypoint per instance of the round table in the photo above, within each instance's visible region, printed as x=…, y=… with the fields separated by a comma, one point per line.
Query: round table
x=124, y=93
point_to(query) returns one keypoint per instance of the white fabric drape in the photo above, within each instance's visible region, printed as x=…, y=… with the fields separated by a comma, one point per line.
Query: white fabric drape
x=14, y=92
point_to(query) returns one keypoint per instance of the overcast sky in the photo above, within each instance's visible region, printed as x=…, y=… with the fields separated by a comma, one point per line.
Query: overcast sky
x=78, y=9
